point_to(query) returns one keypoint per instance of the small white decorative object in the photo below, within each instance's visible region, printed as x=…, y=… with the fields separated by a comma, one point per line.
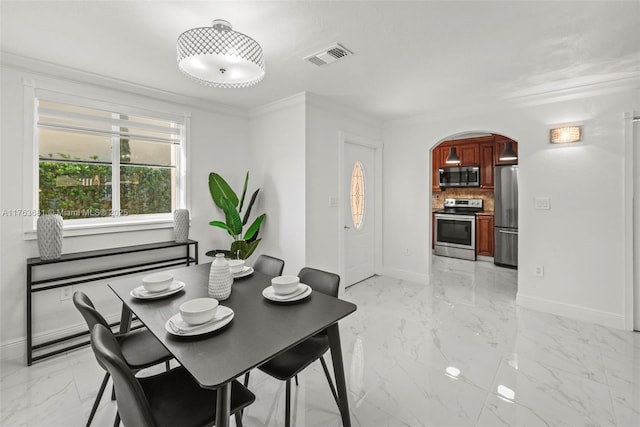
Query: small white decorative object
x=49, y=236
x=220, y=278
x=181, y=225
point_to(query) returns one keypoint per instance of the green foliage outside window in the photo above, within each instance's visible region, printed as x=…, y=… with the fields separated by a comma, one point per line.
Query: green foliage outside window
x=77, y=190
x=145, y=190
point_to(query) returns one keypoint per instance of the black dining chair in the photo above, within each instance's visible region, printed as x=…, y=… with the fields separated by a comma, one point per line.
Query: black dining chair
x=140, y=348
x=271, y=266
x=171, y=398
x=289, y=363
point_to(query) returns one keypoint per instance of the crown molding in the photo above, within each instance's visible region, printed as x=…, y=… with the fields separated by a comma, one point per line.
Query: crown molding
x=281, y=104
x=50, y=70
x=326, y=104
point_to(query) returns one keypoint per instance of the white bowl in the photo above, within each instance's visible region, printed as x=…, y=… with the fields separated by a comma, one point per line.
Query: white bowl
x=157, y=282
x=199, y=310
x=236, y=265
x=283, y=285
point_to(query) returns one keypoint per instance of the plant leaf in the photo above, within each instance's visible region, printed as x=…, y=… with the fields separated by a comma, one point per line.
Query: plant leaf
x=222, y=225
x=238, y=248
x=251, y=202
x=220, y=190
x=244, y=191
x=251, y=247
x=255, y=227
x=232, y=217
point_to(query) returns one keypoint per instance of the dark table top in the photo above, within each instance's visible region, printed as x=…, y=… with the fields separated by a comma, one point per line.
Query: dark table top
x=259, y=330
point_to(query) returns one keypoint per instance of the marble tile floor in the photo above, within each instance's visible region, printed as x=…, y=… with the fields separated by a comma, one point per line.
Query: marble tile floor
x=455, y=352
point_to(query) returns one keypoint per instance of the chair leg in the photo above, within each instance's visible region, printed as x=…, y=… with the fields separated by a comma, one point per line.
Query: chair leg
x=238, y=417
x=168, y=365
x=246, y=379
x=296, y=381
x=98, y=398
x=116, y=422
x=287, y=406
x=326, y=372
x=113, y=393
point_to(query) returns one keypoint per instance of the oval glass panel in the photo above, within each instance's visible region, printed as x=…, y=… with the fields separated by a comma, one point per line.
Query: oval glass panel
x=357, y=195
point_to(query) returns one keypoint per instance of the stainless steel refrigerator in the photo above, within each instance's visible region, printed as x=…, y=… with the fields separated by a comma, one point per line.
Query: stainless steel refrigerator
x=506, y=216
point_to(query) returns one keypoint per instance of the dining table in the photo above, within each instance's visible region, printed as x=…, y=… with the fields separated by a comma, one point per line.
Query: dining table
x=259, y=330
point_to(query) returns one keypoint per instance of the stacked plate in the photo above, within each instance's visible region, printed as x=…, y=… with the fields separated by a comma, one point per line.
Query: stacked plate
x=157, y=285
x=286, y=289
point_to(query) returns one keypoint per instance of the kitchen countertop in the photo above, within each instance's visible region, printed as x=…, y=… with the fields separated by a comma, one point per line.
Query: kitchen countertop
x=485, y=213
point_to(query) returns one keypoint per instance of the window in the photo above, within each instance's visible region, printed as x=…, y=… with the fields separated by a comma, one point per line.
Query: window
x=357, y=195
x=100, y=164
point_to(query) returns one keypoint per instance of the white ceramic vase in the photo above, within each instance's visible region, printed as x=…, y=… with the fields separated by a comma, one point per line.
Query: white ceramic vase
x=220, y=278
x=181, y=225
x=49, y=236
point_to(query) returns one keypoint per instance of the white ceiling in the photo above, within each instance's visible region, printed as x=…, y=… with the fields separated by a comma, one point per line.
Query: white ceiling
x=411, y=57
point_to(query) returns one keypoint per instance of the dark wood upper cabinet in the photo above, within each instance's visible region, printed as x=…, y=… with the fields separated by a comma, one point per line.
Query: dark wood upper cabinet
x=482, y=151
x=486, y=165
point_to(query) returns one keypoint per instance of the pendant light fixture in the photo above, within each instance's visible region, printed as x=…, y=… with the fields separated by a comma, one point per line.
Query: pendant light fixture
x=452, y=158
x=507, y=152
x=220, y=57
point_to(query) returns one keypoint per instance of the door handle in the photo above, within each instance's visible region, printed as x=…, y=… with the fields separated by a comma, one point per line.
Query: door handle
x=507, y=232
x=346, y=227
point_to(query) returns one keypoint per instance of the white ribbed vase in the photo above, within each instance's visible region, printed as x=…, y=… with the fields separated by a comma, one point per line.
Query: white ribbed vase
x=220, y=278
x=181, y=225
x=49, y=236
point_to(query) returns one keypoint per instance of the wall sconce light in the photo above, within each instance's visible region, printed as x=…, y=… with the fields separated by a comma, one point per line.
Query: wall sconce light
x=453, y=156
x=507, y=152
x=566, y=134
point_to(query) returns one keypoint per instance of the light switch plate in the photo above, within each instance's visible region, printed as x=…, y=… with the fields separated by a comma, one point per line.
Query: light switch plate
x=542, y=203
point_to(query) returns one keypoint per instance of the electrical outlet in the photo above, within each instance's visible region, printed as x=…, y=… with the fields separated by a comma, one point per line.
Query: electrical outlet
x=407, y=252
x=66, y=292
x=538, y=271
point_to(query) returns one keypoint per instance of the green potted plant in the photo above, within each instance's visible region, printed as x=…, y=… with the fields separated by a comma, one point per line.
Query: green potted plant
x=243, y=245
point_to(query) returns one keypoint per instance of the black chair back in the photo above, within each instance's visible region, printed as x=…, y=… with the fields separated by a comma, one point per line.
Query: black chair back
x=320, y=281
x=88, y=310
x=133, y=407
x=269, y=265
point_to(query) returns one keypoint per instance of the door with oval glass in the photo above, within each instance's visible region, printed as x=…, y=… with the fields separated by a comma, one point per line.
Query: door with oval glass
x=359, y=221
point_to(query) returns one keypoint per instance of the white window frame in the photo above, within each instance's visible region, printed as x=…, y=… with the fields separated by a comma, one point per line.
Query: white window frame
x=99, y=225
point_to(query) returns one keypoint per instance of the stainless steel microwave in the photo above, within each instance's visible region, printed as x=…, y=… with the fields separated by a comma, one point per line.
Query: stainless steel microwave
x=459, y=176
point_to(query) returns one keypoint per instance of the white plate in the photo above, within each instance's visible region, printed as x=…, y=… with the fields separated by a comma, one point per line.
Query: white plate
x=246, y=271
x=141, y=293
x=223, y=316
x=299, y=294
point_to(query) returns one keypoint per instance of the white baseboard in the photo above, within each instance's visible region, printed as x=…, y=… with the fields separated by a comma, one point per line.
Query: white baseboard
x=586, y=314
x=410, y=276
x=17, y=349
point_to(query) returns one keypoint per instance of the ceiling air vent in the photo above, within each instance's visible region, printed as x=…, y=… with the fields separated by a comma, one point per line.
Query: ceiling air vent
x=329, y=55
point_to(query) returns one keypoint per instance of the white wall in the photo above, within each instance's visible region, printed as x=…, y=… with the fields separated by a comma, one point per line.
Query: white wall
x=580, y=241
x=218, y=142
x=325, y=122
x=277, y=152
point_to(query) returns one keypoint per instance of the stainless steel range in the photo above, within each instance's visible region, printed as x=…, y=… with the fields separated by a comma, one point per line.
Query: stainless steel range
x=455, y=228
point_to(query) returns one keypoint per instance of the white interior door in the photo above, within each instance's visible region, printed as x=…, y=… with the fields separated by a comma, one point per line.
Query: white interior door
x=359, y=214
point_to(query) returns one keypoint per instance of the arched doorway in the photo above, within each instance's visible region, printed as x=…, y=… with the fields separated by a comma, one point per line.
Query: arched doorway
x=474, y=208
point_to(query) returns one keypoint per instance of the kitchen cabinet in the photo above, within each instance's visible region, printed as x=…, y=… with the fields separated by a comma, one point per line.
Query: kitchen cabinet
x=484, y=235
x=436, y=161
x=468, y=153
x=499, y=146
x=486, y=165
